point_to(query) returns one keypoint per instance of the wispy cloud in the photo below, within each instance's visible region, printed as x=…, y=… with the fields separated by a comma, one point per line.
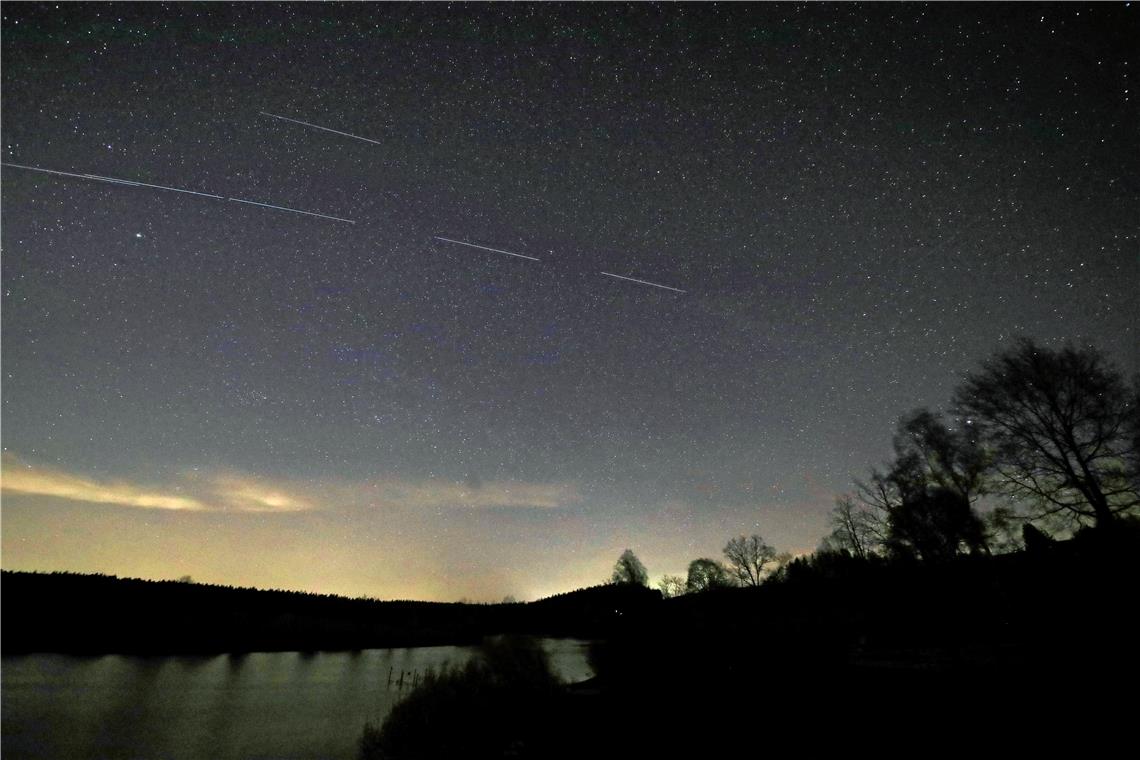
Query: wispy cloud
x=242, y=492
x=247, y=493
x=21, y=477
x=220, y=493
x=441, y=494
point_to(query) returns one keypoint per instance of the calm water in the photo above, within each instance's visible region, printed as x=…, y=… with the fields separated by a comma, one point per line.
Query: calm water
x=270, y=705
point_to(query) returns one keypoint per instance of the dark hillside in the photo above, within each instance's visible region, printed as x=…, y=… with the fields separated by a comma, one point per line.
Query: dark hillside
x=95, y=614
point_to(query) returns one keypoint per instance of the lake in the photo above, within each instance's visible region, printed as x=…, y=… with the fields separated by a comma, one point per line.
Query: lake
x=267, y=705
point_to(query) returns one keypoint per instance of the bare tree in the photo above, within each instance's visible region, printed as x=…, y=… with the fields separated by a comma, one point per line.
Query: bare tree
x=876, y=497
x=671, y=586
x=629, y=570
x=1057, y=424
x=747, y=558
x=855, y=528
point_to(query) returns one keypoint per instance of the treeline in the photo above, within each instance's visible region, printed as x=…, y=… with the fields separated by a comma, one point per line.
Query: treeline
x=99, y=614
x=1037, y=445
x=748, y=562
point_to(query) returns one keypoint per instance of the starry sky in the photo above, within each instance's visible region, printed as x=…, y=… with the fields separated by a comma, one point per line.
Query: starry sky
x=860, y=202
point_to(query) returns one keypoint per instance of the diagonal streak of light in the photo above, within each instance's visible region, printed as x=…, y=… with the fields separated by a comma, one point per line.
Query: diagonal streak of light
x=644, y=282
x=483, y=247
x=135, y=183
x=318, y=126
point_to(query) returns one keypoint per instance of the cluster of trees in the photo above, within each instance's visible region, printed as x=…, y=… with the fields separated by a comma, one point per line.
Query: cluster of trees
x=1046, y=439
x=1036, y=441
x=749, y=560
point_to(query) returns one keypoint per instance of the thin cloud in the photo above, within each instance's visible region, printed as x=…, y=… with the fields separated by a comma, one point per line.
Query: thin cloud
x=241, y=492
x=254, y=498
x=21, y=477
x=436, y=494
x=221, y=493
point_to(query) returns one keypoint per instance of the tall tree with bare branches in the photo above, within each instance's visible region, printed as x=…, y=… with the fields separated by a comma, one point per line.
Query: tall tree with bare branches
x=1058, y=424
x=747, y=558
x=855, y=528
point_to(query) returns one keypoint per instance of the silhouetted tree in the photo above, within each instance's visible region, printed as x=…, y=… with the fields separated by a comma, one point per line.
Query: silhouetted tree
x=671, y=586
x=747, y=558
x=935, y=524
x=867, y=514
x=921, y=504
x=855, y=529
x=931, y=454
x=1004, y=532
x=1034, y=539
x=1059, y=426
x=629, y=570
x=706, y=574
x=779, y=567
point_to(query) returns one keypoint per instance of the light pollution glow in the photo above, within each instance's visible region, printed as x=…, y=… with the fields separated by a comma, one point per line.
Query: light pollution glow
x=247, y=530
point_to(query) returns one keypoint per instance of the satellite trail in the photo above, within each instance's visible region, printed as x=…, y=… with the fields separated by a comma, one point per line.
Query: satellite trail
x=483, y=247
x=644, y=282
x=133, y=183
x=318, y=126
x=111, y=180
x=291, y=210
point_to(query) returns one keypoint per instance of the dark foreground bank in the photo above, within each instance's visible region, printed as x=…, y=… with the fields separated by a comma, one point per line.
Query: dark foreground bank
x=1021, y=652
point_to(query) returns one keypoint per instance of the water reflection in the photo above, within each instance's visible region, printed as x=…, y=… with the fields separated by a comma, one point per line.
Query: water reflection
x=258, y=705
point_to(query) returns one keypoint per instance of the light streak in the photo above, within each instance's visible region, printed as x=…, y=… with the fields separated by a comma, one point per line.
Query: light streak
x=644, y=282
x=485, y=248
x=318, y=126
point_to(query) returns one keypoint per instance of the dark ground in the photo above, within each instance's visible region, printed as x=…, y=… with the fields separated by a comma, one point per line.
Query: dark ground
x=1020, y=649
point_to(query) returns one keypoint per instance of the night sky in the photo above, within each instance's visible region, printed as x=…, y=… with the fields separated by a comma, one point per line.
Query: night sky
x=860, y=202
